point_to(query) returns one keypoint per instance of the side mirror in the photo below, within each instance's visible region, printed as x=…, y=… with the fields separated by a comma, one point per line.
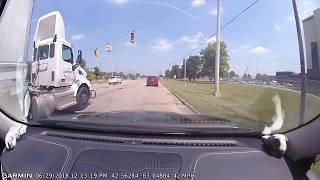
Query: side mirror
x=78, y=62
x=79, y=58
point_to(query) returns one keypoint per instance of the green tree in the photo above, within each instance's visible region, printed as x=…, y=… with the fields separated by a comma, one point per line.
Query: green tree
x=232, y=74
x=168, y=73
x=262, y=77
x=176, y=70
x=258, y=77
x=131, y=76
x=83, y=63
x=208, y=56
x=90, y=74
x=121, y=74
x=245, y=77
x=84, y=66
x=193, y=67
x=96, y=71
x=265, y=77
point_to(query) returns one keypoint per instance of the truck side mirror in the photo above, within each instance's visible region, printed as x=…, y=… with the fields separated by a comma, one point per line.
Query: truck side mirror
x=79, y=58
x=78, y=62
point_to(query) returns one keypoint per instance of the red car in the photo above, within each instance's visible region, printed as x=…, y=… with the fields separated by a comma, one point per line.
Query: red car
x=152, y=81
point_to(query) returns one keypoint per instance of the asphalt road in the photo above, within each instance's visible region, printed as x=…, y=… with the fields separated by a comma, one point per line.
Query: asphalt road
x=134, y=95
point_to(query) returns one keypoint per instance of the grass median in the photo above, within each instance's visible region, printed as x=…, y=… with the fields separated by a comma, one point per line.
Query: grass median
x=316, y=169
x=244, y=103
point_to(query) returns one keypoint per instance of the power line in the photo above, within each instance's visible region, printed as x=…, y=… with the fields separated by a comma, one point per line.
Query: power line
x=141, y=26
x=224, y=26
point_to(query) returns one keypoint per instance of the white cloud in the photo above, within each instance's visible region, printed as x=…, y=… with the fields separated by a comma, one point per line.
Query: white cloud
x=291, y=19
x=214, y=11
x=181, y=10
x=195, y=40
x=192, y=39
x=198, y=3
x=162, y=45
x=258, y=50
x=212, y=39
x=242, y=48
x=119, y=2
x=77, y=37
x=307, y=8
x=277, y=27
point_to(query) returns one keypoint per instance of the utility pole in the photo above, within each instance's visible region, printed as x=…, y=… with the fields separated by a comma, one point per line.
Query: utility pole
x=245, y=72
x=185, y=72
x=302, y=64
x=112, y=70
x=217, y=61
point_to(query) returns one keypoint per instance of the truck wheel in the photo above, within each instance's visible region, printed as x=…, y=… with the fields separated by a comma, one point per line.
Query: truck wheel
x=83, y=96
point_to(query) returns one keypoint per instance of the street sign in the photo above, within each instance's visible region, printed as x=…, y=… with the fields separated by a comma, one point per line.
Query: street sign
x=108, y=47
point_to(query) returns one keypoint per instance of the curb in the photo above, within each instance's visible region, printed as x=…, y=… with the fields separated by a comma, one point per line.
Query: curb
x=194, y=110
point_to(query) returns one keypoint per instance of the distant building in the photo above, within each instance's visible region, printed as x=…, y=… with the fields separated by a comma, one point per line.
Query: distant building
x=286, y=77
x=284, y=74
x=311, y=26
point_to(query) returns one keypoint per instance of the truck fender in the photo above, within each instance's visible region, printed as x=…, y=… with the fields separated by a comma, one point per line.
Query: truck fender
x=77, y=85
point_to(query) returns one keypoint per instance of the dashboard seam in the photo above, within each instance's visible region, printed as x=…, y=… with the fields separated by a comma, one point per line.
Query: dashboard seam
x=216, y=153
x=69, y=151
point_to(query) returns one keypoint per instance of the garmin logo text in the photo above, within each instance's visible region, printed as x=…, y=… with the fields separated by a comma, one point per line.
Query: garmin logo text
x=16, y=175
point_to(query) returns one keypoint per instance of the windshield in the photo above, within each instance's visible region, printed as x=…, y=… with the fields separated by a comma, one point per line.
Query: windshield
x=235, y=63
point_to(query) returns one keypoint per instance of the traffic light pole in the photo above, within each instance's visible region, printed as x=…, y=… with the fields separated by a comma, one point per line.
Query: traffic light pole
x=217, y=61
x=112, y=70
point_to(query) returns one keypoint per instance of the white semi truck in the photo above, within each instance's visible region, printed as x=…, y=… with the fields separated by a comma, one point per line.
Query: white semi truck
x=57, y=81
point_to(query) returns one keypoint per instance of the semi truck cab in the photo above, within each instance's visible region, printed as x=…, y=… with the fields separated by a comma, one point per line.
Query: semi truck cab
x=57, y=80
x=52, y=54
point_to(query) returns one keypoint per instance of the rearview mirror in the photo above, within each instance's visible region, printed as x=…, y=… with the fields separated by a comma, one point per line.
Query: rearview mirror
x=79, y=58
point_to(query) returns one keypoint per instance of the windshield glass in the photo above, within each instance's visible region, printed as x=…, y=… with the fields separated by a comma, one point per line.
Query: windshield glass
x=195, y=62
x=43, y=52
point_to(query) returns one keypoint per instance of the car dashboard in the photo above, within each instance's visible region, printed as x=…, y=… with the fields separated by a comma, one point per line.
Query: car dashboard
x=60, y=154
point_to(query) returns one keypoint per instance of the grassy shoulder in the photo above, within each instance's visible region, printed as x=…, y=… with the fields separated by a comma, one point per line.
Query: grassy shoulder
x=316, y=169
x=248, y=104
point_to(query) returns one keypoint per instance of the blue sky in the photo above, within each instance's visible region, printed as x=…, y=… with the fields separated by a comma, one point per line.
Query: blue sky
x=264, y=38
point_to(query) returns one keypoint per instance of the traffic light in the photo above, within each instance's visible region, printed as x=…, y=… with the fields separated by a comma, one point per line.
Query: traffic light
x=96, y=52
x=108, y=47
x=132, y=37
x=184, y=61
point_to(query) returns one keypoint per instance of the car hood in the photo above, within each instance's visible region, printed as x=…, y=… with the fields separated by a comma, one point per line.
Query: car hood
x=160, y=122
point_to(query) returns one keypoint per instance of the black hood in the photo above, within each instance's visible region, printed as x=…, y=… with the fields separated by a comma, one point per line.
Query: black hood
x=159, y=122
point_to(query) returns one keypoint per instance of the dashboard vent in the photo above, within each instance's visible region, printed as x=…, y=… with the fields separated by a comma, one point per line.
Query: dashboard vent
x=84, y=138
x=191, y=142
x=155, y=142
